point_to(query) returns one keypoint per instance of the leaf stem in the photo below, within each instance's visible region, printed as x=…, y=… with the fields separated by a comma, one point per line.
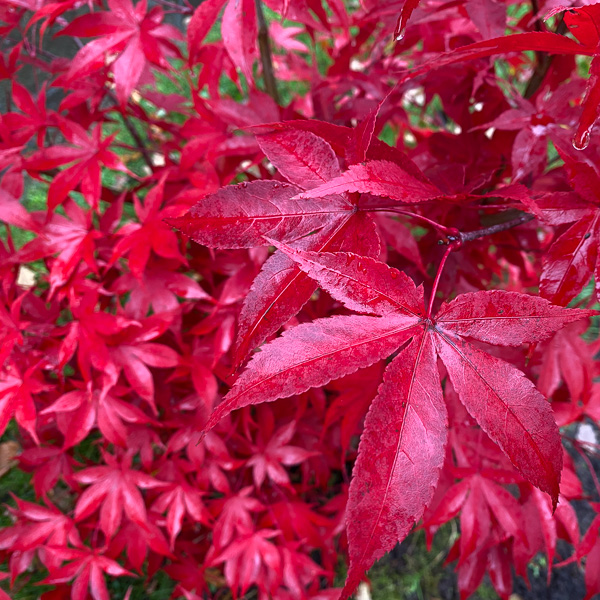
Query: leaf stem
x=438, y=275
x=399, y=211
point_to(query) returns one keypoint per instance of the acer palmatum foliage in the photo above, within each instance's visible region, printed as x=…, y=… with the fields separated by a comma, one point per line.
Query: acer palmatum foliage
x=370, y=328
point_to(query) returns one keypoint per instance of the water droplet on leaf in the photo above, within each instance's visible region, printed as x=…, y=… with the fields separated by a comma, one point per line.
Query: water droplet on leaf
x=581, y=139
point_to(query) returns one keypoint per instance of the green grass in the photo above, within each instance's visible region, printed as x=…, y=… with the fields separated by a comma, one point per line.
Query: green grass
x=410, y=572
x=159, y=587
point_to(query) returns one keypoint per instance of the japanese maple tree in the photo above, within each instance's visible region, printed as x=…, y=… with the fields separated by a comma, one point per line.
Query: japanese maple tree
x=282, y=281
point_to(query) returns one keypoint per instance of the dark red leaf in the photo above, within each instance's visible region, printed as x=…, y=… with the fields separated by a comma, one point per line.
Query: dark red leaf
x=400, y=455
x=509, y=409
x=238, y=216
x=380, y=178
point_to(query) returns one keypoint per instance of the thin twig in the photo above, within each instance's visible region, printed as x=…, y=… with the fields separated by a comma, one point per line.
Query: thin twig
x=579, y=447
x=544, y=60
x=177, y=8
x=266, y=59
x=132, y=131
x=468, y=236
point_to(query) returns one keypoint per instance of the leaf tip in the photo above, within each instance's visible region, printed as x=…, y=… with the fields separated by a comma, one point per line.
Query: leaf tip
x=175, y=222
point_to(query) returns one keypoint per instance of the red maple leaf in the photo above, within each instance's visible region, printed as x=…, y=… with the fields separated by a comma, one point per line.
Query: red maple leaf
x=549, y=117
x=271, y=451
x=239, y=216
x=48, y=465
x=112, y=345
x=136, y=540
x=86, y=155
x=252, y=560
x=17, y=391
x=233, y=516
x=138, y=35
x=138, y=240
x=40, y=526
x=78, y=411
x=158, y=287
x=583, y=25
x=402, y=447
x=71, y=237
x=86, y=569
x=572, y=259
x=179, y=498
x=35, y=120
x=114, y=490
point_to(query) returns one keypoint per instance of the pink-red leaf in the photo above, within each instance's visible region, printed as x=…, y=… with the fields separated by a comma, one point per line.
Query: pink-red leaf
x=313, y=354
x=505, y=318
x=239, y=30
x=281, y=289
x=363, y=284
x=509, y=409
x=238, y=216
x=380, y=178
x=570, y=261
x=303, y=158
x=400, y=455
x=200, y=24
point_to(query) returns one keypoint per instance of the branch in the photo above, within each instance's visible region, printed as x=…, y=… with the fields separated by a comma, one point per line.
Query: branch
x=133, y=132
x=266, y=59
x=452, y=236
x=469, y=236
x=544, y=60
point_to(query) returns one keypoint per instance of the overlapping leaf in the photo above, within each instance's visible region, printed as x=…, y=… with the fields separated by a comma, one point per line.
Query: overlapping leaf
x=139, y=35
x=409, y=411
x=239, y=216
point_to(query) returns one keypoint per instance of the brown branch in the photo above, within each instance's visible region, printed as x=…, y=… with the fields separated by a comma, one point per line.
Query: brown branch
x=544, y=60
x=178, y=8
x=468, y=236
x=132, y=131
x=266, y=59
